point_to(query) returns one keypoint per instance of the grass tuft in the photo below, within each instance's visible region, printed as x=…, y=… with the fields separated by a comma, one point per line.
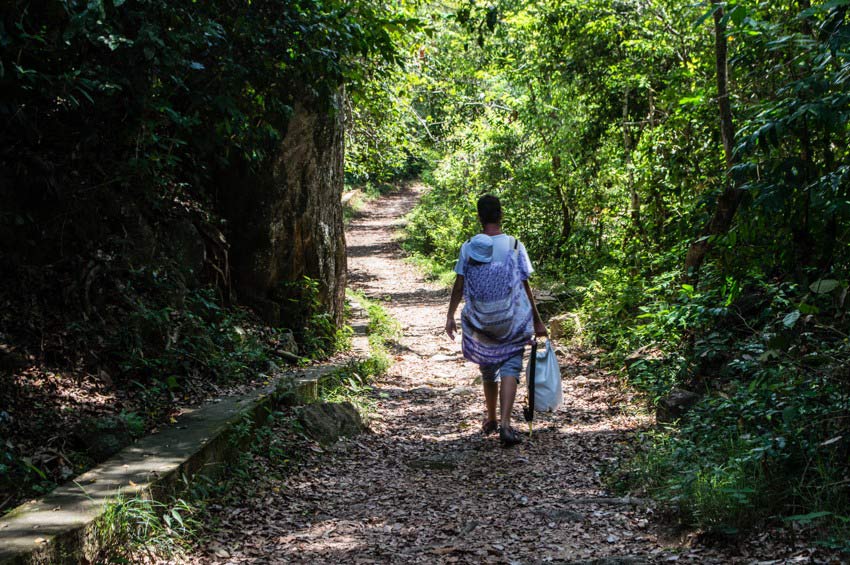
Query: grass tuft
x=131, y=529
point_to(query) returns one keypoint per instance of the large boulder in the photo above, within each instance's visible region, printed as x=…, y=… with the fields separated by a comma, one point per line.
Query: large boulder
x=675, y=405
x=326, y=422
x=564, y=326
x=285, y=221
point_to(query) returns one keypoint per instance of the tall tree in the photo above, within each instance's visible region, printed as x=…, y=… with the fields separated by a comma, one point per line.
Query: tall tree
x=729, y=199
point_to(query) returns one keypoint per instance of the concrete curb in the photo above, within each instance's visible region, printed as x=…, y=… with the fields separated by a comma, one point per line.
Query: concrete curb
x=61, y=527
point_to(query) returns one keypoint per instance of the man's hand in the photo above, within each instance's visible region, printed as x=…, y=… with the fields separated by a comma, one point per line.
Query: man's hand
x=457, y=294
x=540, y=329
x=539, y=326
x=451, y=327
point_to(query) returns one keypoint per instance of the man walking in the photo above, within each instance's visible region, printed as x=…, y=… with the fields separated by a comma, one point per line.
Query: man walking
x=499, y=316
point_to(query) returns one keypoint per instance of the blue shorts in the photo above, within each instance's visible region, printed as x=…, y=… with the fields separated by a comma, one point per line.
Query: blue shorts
x=509, y=368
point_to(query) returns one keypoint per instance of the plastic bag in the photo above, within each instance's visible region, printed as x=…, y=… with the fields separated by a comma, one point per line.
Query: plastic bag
x=548, y=395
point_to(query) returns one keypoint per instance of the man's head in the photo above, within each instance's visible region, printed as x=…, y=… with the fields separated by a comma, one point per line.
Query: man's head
x=489, y=210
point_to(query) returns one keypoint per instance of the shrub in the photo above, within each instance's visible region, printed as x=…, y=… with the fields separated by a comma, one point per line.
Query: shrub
x=769, y=438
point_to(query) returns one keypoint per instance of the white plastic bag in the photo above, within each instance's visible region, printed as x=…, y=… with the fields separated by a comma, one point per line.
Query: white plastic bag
x=548, y=395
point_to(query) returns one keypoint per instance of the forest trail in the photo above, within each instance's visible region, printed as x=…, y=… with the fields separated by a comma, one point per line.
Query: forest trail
x=424, y=486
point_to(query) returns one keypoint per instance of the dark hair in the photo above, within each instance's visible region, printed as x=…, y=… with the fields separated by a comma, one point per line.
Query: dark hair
x=489, y=210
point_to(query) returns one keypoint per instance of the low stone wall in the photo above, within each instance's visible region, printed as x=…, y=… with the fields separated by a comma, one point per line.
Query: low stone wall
x=60, y=528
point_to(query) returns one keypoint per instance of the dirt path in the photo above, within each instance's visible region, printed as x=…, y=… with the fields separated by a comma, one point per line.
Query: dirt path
x=424, y=486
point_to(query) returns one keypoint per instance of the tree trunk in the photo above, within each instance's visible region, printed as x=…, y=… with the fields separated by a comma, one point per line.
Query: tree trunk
x=286, y=219
x=634, y=197
x=801, y=234
x=661, y=213
x=730, y=198
x=566, y=212
x=801, y=230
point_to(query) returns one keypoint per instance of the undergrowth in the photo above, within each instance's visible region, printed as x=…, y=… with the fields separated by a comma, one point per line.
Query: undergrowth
x=162, y=346
x=352, y=383
x=769, y=439
x=440, y=272
x=134, y=528
x=272, y=450
x=173, y=345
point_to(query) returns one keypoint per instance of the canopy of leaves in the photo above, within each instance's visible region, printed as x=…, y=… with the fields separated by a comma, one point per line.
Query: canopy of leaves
x=152, y=94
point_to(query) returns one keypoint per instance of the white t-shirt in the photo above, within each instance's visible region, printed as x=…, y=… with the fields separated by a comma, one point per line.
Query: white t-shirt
x=502, y=245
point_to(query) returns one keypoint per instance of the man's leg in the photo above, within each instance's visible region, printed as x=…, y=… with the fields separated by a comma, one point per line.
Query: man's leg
x=509, y=372
x=506, y=400
x=491, y=394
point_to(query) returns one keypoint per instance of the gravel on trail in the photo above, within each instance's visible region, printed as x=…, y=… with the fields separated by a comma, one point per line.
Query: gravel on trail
x=424, y=486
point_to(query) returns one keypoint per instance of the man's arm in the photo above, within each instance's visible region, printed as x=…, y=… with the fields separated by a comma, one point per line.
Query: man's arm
x=457, y=295
x=539, y=327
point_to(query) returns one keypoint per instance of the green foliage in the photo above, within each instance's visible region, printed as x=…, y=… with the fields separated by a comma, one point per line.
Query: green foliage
x=352, y=382
x=596, y=123
x=40, y=473
x=382, y=331
x=768, y=438
x=191, y=85
x=131, y=528
x=381, y=145
x=122, y=120
x=382, y=326
x=163, y=342
x=162, y=345
x=135, y=423
x=765, y=449
x=314, y=328
x=17, y=472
